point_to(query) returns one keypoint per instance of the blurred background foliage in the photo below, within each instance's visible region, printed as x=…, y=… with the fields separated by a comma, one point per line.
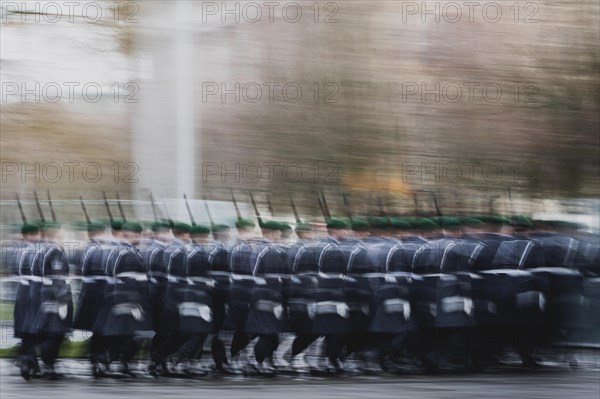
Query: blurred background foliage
x=362, y=142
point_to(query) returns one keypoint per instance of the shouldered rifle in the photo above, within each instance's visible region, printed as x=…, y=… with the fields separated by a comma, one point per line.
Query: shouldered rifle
x=171, y=222
x=51, y=207
x=322, y=207
x=325, y=205
x=23, y=218
x=87, y=217
x=435, y=202
x=189, y=210
x=347, y=206
x=269, y=205
x=210, y=219
x=296, y=216
x=154, y=213
x=237, y=210
x=121, y=209
x=260, y=221
x=110, y=216
x=39, y=207
x=416, y=201
x=380, y=207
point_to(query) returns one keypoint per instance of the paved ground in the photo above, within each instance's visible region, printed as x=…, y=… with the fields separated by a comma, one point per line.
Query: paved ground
x=556, y=382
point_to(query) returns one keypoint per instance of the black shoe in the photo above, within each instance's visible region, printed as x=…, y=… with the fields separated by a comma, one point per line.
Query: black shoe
x=25, y=371
x=127, y=371
x=152, y=368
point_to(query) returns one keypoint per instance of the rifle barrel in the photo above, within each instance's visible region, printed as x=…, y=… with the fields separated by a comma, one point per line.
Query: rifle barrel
x=51, y=207
x=39, y=207
x=110, y=216
x=187, y=205
x=210, y=219
x=23, y=217
x=87, y=217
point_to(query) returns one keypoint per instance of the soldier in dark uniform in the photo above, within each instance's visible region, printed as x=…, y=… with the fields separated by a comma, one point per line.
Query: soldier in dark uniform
x=358, y=288
x=443, y=295
x=175, y=263
x=219, y=272
x=331, y=312
x=157, y=285
x=267, y=305
x=242, y=261
x=127, y=305
x=54, y=317
x=89, y=305
x=195, y=306
x=302, y=261
x=21, y=263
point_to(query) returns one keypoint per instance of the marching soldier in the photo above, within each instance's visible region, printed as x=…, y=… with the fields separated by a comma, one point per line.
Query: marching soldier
x=175, y=263
x=157, y=285
x=54, y=317
x=22, y=263
x=220, y=273
x=242, y=260
x=91, y=297
x=195, y=306
x=127, y=306
x=267, y=307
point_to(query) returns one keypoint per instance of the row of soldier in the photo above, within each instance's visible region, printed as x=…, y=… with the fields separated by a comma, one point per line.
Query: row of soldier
x=381, y=288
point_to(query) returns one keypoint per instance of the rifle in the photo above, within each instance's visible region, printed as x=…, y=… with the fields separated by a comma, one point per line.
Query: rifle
x=171, y=221
x=110, y=216
x=347, y=206
x=51, y=207
x=39, y=207
x=269, y=205
x=212, y=223
x=153, y=207
x=23, y=218
x=87, y=217
x=189, y=210
x=237, y=210
x=121, y=209
x=260, y=222
x=416, y=201
x=510, y=203
x=322, y=207
x=325, y=205
x=294, y=210
x=435, y=202
x=380, y=206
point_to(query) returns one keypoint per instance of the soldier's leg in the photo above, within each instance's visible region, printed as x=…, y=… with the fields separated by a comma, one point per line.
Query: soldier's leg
x=219, y=355
x=265, y=346
x=190, y=348
x=171, y=345
x=334, y=345
x=129, y=348
x=49, y=348
x=239, y=342
x=26, y=356
x=301, y=342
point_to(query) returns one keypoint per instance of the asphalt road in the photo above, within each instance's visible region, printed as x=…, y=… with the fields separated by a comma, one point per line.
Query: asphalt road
x=553, y=383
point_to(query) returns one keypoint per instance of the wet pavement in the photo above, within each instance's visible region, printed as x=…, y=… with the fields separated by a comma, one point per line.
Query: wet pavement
x=550, y=382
